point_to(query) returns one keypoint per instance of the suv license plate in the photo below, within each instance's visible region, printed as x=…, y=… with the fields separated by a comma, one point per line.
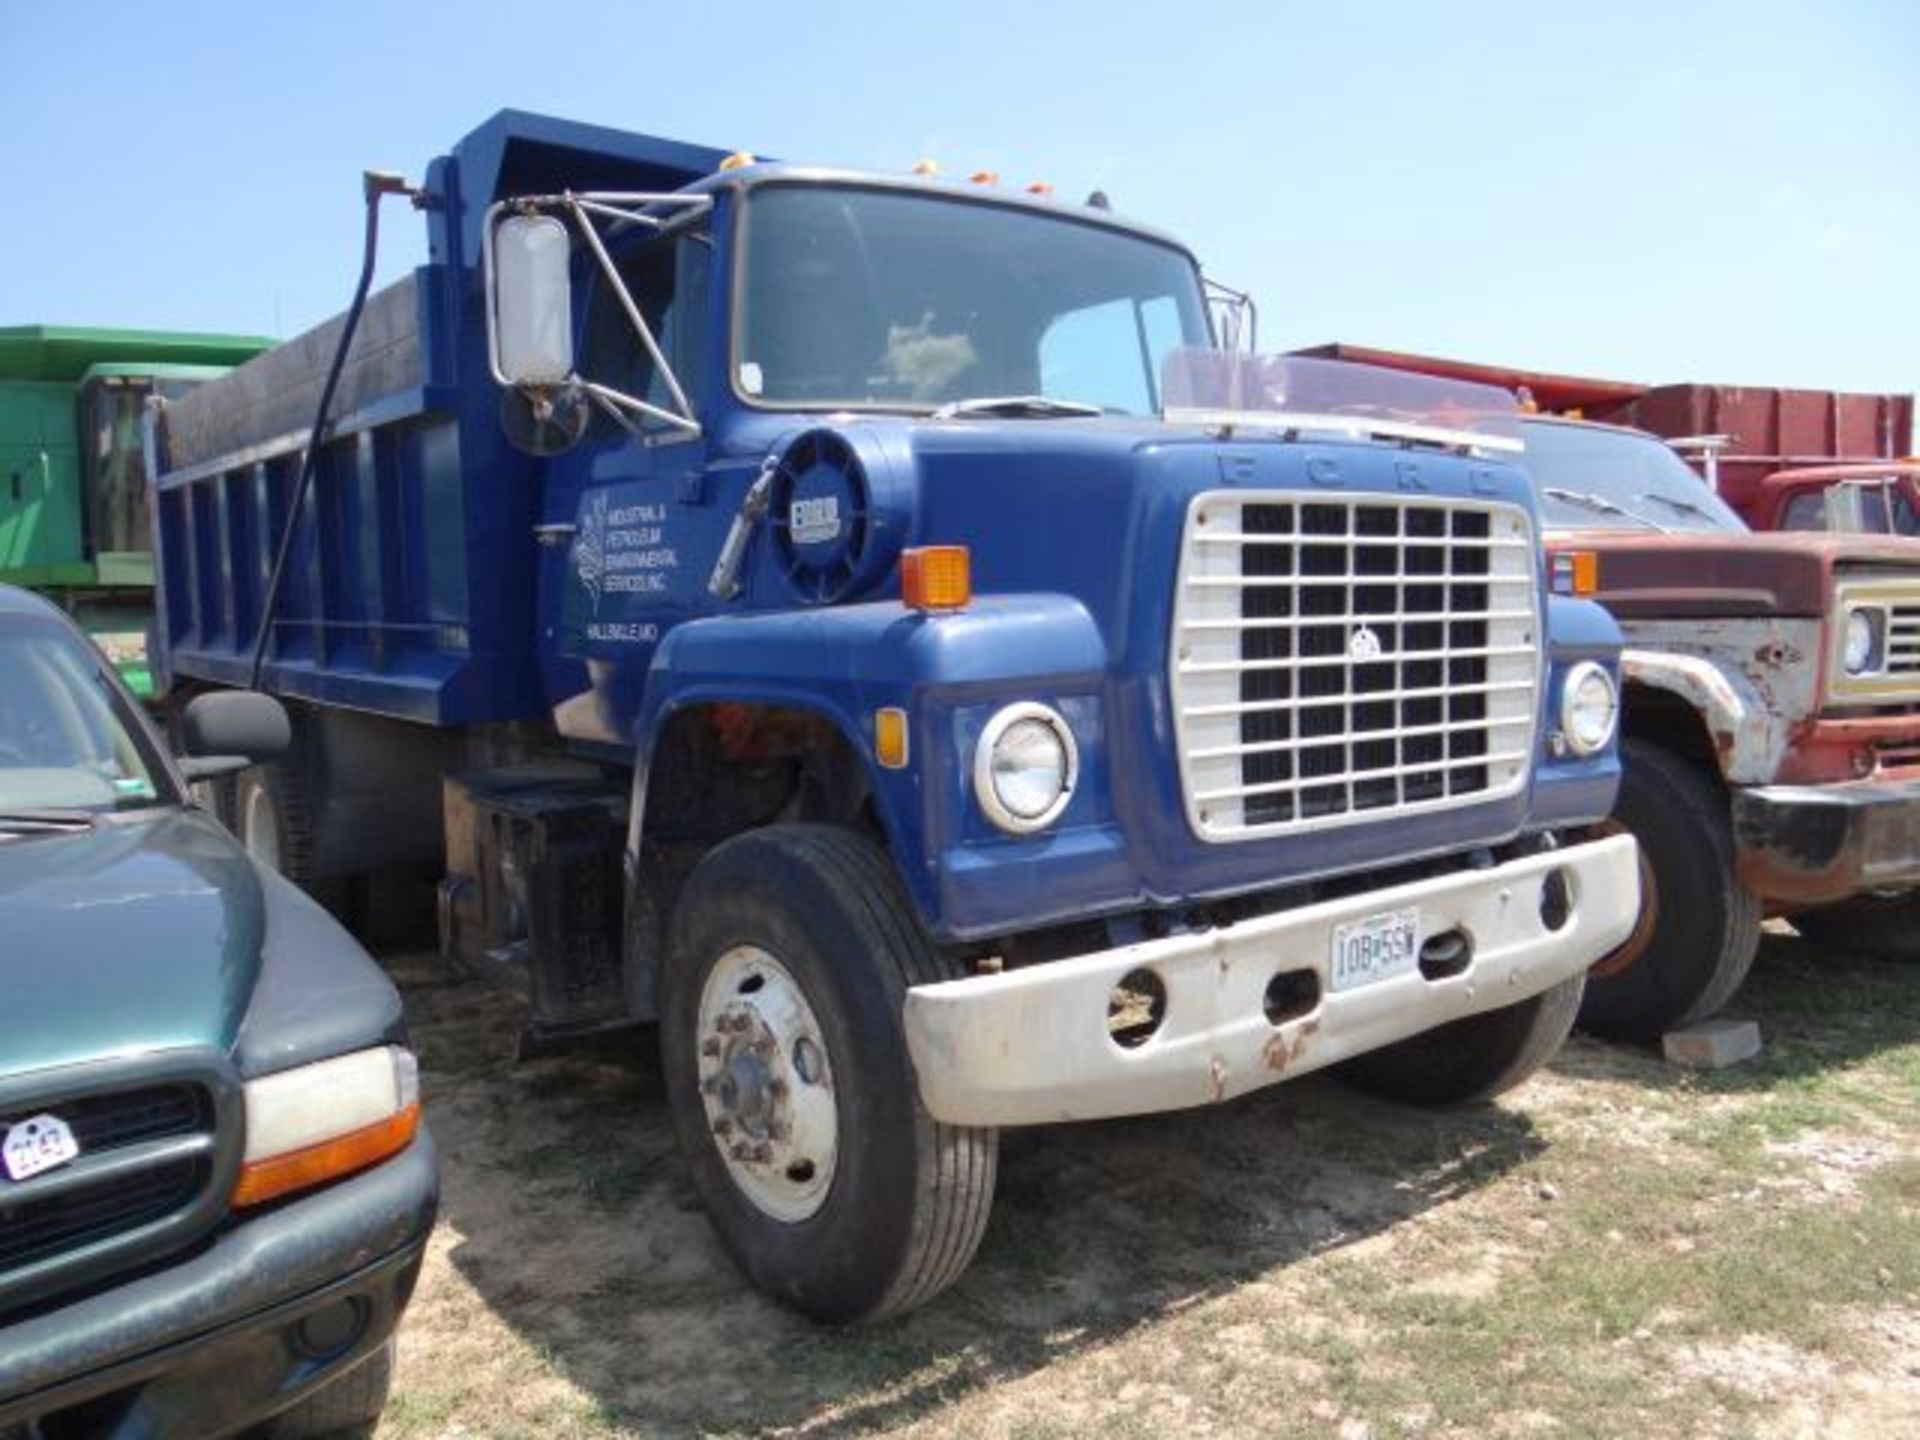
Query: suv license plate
x=1376, y=948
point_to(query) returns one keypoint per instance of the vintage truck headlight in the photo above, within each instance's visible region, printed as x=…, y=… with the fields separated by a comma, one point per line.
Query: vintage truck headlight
x=1025, y=767
x=1863, y=640
x=318, y=1122
x=1589, y=708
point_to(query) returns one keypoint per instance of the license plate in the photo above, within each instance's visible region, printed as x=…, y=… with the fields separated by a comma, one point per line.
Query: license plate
x=40, y=1143
x=1376, y=948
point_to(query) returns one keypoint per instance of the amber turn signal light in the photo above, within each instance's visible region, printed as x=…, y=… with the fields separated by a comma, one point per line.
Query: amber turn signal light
x=1576, y=572
x=890, y=737
x=936, y=577
x=269, y=1179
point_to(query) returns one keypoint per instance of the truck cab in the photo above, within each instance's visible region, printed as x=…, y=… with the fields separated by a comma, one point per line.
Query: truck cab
x=1772, y=720
x=1857, y=499
x=871, y=628
x=73, y=480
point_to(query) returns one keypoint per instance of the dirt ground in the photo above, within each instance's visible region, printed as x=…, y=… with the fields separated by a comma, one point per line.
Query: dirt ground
x=1619, y=1248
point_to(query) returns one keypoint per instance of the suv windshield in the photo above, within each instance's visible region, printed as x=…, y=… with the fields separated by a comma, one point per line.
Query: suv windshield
x=1593, y=478
x=904, y=300
x=66, y=742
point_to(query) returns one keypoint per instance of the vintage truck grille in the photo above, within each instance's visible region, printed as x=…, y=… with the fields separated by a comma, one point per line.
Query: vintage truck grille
x=1903, y=639
x=146, y=1156
x=1339, y=660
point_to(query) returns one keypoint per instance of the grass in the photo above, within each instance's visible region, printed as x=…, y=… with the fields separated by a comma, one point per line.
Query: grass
x=1618, y=1248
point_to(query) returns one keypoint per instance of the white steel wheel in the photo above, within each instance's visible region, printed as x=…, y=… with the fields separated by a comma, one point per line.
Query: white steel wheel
x=766, y=1082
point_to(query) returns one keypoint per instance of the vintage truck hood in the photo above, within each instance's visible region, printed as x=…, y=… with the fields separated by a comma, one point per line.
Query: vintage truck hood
x=141, y=934
x=1646, y=577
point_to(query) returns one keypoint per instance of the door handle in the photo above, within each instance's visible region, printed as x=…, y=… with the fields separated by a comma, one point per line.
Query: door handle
x=556, y=534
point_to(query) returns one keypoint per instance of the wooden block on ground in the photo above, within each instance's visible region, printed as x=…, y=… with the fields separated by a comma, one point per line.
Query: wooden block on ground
x=1712, y=1044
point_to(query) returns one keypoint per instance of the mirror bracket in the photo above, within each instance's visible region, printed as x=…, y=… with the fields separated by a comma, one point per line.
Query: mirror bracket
x=586, y=211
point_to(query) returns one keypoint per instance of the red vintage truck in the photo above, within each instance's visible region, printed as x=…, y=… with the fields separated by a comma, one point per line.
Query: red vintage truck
x=1782, y=459
x=1771, y=711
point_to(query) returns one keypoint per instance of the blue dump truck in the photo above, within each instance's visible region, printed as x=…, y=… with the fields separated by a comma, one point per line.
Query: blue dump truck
x=893, y=636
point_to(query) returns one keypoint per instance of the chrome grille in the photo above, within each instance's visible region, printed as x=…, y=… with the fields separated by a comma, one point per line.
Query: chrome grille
x=1903, y=639
x=1339, y=660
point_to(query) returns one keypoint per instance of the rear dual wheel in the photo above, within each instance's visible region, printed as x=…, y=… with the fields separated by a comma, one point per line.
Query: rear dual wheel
x=790, y=1084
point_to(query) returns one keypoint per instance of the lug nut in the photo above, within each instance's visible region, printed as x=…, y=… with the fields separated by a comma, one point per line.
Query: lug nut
x=761, y=1153
x=776, y=1089
x=710, y=1047
x=723, y=1127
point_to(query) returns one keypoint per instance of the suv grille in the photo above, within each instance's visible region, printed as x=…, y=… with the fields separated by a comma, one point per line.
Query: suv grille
x=1339, y=660
x=147, y=1157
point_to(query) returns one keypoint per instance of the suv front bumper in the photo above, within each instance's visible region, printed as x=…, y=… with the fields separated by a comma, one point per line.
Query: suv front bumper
x=225, y=1338
x=1032, y=1046
x=1804, y=845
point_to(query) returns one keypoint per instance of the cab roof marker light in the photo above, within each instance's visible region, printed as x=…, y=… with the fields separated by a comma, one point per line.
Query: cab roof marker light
x=1039, y=187
x=985, y=177
x=739, y=160
x=928, y=167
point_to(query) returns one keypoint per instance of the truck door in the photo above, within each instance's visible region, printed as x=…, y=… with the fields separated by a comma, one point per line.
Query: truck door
x=622, y=538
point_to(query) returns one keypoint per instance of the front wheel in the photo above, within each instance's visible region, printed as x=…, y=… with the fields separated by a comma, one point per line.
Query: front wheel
x=1466, y=1061
x=1699, y=927
x=1886, y=927
x=790, y=1084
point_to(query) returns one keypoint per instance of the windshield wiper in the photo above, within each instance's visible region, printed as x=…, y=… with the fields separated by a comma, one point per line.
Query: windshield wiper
x=1015, y=407
x=1685, y=507
x=1589, y=501
x=45, y=822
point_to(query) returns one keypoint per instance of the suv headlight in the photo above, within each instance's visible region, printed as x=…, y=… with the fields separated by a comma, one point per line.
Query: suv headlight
x=1866, y=626
x=1025, y=768
x=318, y=1122
x=1589, y=708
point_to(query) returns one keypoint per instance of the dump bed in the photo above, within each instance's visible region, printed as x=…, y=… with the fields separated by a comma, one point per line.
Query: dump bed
x=410, y=587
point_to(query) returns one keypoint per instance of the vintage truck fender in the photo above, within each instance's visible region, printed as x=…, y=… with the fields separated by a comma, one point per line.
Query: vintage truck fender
x=1569, y=791
x=847, y=662
x=1745, y=736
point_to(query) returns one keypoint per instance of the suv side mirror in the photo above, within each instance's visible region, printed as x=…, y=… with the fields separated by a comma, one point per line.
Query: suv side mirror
x=530, y=300
x=228, y=730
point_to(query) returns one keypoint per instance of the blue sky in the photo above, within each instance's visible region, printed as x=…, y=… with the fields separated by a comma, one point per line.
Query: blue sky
x=1725, y=192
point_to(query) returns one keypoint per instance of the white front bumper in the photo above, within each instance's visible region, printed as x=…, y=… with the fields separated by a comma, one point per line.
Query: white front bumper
x=1031, y=1046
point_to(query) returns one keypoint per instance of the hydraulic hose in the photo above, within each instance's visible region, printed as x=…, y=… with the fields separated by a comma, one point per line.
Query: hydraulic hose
x=375, y=183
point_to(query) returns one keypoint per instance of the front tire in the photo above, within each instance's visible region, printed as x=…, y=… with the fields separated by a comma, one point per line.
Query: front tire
x=790, y=1085
x=1883, y=927
x=1467, y=1061
x=1699, y=926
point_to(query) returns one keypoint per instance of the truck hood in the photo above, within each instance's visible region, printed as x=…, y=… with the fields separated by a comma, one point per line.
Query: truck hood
x=1704, y=575
x=141, y=934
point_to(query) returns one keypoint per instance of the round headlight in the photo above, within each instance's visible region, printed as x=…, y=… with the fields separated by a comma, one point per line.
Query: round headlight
x=1025, y=768
x=1860, y=638
x=1589, y=708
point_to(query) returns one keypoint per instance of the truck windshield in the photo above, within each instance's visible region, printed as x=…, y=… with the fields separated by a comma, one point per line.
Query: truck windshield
x=1593, y=478
x=66, y=742
x=899, y=300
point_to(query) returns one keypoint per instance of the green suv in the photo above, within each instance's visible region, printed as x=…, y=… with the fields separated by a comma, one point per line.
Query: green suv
x=215, y=1189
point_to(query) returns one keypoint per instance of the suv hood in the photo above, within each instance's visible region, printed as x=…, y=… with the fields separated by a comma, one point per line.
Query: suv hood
x=140, y=934
x=1648, y=577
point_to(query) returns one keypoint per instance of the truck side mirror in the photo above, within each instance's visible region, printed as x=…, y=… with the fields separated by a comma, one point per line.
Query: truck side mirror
x=530, y=301
x=228, y=730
